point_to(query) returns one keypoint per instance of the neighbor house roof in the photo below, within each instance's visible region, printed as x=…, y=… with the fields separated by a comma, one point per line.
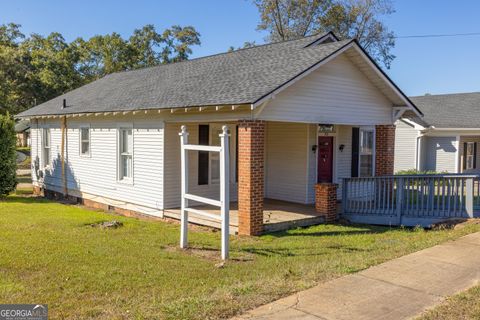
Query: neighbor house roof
x=22, y=125
x=459, y=110
x=245, y=76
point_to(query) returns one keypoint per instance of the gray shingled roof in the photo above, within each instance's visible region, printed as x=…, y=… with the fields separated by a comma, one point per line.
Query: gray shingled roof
x=460, y=110
x=239, y=77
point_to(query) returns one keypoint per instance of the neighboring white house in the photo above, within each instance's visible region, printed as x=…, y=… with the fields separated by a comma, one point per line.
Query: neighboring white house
x=299, y=112
x=445, y=139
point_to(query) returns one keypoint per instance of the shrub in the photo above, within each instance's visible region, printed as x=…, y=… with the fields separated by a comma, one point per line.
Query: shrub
x=8, y=156
x=411, y=172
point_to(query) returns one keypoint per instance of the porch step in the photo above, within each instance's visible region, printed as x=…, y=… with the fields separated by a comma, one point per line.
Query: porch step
x=279, y=226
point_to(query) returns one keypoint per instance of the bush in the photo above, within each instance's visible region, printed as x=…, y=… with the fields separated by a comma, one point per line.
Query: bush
x=8, y=155
x=411, y=172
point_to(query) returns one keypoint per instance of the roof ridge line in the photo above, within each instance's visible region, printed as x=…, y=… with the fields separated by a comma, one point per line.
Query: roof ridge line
x=224, y=53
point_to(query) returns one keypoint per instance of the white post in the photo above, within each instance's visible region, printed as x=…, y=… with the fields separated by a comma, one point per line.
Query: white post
x=184, y=176
x=224, y=190
x=469, y=197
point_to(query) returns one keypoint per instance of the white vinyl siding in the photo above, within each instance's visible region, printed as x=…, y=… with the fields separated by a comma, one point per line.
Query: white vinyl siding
x=286, y=161
x=97, y=175
x=337, y=92
x=405, y=147
x=441, y=154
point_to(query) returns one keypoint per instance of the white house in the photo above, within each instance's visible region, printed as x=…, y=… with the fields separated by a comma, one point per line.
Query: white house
x=445, y=139
x=302, y=114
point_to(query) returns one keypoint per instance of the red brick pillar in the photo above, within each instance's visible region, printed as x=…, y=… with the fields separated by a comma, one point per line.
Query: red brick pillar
x=251, y=134
x=326, y=200
x=384, y=149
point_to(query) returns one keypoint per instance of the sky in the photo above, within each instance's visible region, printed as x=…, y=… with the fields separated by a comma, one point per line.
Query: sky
x=425, y=65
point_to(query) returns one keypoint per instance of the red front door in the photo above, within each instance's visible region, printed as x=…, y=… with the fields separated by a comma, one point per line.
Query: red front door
x=325, y=159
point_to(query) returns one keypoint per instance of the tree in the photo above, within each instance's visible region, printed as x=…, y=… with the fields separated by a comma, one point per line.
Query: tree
x=8, y=156
x=35, y=69
x=360, y=19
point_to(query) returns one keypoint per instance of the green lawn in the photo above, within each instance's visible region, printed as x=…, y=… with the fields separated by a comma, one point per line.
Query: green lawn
x=465, y=305
x=50, y=254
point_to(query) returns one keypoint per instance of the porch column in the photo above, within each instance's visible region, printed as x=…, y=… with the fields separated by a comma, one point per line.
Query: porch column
x=326, y=201
x=251, y=135
x=384, y=149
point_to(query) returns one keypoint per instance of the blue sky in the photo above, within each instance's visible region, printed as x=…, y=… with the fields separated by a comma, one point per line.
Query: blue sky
x=436, y=65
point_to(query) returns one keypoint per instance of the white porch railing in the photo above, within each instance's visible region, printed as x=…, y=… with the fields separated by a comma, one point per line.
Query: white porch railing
x=410, y=200
x=223, y=203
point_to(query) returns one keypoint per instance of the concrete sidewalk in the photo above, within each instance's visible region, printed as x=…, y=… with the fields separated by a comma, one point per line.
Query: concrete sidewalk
x=398, y=289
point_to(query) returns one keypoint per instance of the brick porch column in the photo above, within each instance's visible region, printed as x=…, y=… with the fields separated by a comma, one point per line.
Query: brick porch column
x=326, y=200
x=251, y=134
x=384, y=149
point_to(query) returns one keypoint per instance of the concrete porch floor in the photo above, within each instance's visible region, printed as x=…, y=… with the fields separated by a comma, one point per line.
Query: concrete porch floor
x=277, y=215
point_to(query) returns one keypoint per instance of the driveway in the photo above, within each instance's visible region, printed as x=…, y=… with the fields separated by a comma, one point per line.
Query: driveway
x=398, y=289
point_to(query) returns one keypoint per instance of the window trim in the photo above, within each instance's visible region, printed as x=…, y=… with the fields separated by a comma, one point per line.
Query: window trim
x=89, y=153
x=120, y=177
x=369, y=129
x=45, y=131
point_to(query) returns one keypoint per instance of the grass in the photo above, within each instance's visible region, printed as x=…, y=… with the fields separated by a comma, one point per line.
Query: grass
x=51, y=255
x=465, y=305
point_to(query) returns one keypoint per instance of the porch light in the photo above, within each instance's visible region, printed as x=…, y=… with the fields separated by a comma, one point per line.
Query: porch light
x=341, y=147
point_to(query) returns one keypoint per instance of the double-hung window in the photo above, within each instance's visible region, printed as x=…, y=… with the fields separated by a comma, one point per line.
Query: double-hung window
x=470, y=157
x=366, y=146
x=125, y=161
x=47, y=154
x=85, y=141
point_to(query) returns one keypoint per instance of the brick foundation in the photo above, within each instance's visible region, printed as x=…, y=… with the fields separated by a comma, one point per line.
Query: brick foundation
x=251, y=135
x=384, y=149
x=326, y=200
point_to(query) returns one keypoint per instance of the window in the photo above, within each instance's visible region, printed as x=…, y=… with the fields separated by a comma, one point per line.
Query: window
x=366, y=152
x=125, y=154
x=47, y=155
x=85, y=141
x=203, y=156
x=470, y=157
x=209, y=162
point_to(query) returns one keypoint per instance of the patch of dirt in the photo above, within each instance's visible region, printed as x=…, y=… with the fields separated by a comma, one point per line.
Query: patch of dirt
x=107, y=224
x=211, y=254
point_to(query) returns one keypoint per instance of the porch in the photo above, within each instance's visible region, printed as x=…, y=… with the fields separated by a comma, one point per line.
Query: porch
x=277, y=215
x=275, y=168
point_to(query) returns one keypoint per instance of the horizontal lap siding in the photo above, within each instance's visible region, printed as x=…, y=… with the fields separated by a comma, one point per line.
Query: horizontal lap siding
x=286, y=161
x=173, y=166
x=405, y=147
x=97, y=174
x=440, y=154
x=337, y=92
x=343, y=158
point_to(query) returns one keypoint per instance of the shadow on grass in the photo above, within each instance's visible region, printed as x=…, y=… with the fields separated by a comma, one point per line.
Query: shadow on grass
x=357, y=229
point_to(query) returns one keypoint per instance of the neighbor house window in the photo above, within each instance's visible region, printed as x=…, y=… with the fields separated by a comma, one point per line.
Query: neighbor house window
x=366, y=137
x=470, y=157
x=125, y=154
x=85, y=141
x=47, y=154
